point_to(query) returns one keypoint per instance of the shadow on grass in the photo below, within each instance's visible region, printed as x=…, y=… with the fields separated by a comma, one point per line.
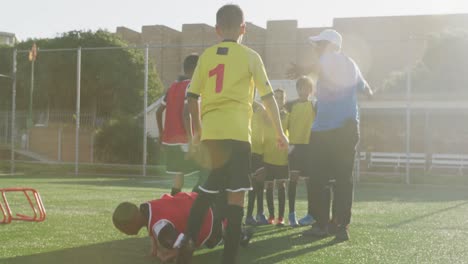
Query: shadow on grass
x=419, y=217
x=134, y=250
x=270, y=250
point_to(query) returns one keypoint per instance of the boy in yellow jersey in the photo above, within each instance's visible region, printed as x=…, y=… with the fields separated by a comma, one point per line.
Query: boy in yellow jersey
x=276, y=163
x=257, y=169
x=301, y=117
x=225, y=79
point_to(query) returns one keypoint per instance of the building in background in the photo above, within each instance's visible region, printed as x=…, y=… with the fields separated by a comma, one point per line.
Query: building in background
x=7, y=38
x=380, y=46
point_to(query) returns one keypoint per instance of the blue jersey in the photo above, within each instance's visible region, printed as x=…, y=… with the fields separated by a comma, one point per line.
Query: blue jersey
x=339, y=81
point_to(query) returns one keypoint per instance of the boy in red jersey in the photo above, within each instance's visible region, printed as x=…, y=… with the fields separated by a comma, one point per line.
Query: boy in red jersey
x=166, y=218
x=176, y=132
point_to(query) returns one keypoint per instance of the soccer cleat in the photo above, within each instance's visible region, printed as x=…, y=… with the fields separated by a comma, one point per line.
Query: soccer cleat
x=306, y=220
x=332, y=228
x=316, y=231
x=246, y=235
x=280, y=221
x=250, y=221
x=261, y=220
x=342, y=234
x=271, y=220
x=292, y=220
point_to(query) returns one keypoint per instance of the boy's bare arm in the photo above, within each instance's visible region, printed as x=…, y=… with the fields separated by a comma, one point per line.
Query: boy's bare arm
x=187, y=122
x=194, y=110
x=297, y=70
x=159, y=119
x=273, y=112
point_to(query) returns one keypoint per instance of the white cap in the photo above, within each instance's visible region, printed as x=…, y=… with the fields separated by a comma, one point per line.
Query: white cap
x=329, y=35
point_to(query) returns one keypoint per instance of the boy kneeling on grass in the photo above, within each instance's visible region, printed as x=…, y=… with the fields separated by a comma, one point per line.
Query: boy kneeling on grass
x=166, y=218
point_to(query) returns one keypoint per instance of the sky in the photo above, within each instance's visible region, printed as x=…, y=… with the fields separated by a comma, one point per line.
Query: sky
x=48, y=18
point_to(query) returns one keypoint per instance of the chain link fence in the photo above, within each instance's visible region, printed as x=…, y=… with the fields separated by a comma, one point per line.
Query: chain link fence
x=71, y=109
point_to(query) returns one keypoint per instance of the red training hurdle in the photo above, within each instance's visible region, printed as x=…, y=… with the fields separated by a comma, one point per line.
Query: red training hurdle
x=37, y=207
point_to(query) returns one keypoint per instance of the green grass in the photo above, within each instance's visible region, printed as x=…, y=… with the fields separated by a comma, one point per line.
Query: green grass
x=391, y=224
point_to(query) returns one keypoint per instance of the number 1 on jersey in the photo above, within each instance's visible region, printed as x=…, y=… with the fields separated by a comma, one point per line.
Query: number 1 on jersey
x=219, y=72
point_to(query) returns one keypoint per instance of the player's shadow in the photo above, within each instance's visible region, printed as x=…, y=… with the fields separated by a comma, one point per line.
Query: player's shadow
x=269, y=250
x=269, y=230
x=133, y=250
x=429, y=214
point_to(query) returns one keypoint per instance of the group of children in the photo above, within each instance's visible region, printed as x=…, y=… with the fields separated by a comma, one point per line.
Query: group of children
x=273, y=166
x=209, y=120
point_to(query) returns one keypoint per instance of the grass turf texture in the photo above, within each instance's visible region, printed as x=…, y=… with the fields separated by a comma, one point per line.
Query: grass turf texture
x=391, y=224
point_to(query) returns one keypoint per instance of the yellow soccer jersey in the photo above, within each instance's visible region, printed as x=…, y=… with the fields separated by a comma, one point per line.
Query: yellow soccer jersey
x=225, y=78
x=257, y=132
x=301, y=117
x=271, y=153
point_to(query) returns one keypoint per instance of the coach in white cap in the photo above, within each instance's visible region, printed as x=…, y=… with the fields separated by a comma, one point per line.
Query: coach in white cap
x=335, y=132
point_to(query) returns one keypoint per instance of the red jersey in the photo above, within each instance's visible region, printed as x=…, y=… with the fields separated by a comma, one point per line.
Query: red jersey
x=176, y=209
x=174, y=130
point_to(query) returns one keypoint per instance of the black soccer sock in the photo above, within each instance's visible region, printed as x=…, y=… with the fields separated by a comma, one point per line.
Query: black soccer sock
x=270, y=202
x=260, y=193
x=292, y=196
x=232, y=238
x=219, y=208
x=281, y=200
x=175, y=191
x=197, y=214
x=310, y=201
x=251, y=201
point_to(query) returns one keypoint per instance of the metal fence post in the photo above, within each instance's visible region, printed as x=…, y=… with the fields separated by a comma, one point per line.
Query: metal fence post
x=59, y=144
x=145, y=103
x=408, y=125
x=78, y=97
x=13, y=112
x=91, y=154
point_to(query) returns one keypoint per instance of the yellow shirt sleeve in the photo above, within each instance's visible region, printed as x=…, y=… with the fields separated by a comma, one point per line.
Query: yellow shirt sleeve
x=260, y=76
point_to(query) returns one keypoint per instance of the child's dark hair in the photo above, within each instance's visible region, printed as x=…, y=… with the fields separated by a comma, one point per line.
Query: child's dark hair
x=229, y=17
x=190, y=63
x=281, y=90
x=123, y=214
x=304, y=81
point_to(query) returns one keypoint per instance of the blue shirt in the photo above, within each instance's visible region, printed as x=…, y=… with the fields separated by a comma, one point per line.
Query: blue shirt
x=338, y=83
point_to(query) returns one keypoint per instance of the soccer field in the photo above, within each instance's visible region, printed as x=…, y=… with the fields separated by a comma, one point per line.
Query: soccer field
x=391, y=224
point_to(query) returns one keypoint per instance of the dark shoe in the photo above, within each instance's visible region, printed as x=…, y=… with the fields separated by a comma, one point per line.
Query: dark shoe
x=246, y=235
x=187, y=247
x=342, y=234
x=250, y=221
x=332, y=228
x=261, y=220
x=316, y=231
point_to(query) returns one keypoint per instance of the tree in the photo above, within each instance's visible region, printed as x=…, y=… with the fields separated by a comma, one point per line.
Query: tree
x=112, y=81
x=120, y=141
x=6, y=59
x=443, y=70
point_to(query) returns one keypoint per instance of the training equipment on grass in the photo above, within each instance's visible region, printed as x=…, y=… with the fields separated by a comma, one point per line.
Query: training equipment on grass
x=38, y=210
